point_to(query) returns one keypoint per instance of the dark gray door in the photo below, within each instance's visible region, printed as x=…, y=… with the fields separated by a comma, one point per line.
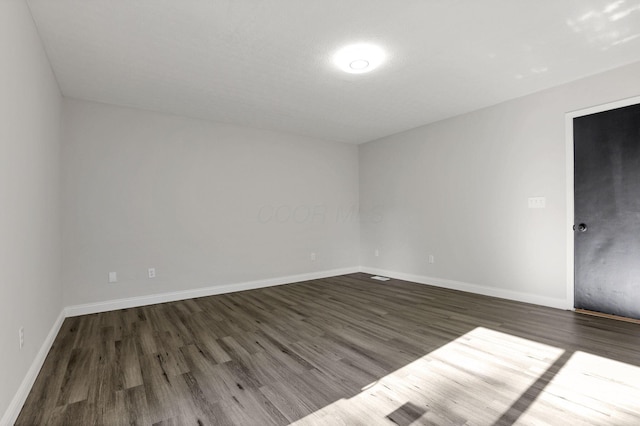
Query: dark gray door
x=607, y=211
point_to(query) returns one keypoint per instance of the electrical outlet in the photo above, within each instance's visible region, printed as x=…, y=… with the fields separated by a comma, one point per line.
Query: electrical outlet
x=152, y=272
x=432, y=259
x=113, y=277
x=21, y=337
x=312, y=256
x=376, y=253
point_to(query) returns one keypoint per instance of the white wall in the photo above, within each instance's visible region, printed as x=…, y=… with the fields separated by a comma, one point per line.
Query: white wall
x=458, y=189
x=205, y=204
x=30, y=287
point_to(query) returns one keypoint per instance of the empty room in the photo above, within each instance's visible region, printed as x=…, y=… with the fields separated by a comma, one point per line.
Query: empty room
x=321, y=212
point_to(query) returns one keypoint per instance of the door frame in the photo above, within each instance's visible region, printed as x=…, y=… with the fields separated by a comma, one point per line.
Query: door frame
x=569, y=116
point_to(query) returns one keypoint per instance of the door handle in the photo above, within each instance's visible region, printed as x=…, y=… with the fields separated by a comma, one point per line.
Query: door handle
x=580, y=228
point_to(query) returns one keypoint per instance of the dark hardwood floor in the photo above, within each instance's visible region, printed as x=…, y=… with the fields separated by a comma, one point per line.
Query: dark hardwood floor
x=345, y=350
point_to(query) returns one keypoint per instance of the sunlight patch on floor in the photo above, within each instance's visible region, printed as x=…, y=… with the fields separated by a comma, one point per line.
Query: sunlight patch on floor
x=597, y=389
x=476, y=377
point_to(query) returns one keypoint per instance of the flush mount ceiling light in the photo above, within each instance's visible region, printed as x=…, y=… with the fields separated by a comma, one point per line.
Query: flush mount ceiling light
x=359, y=58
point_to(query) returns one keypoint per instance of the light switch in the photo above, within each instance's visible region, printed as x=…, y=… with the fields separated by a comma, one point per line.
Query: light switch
x=537, y=202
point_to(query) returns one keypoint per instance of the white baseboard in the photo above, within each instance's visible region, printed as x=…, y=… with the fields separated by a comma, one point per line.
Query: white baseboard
x=11, y=414
x=473, y=288
x=132, y=302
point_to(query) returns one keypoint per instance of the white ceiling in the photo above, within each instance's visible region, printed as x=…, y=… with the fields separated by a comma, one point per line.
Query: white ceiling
x=267, y=63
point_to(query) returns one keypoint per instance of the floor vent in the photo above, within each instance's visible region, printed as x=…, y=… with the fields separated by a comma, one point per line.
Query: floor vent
x=379, y=278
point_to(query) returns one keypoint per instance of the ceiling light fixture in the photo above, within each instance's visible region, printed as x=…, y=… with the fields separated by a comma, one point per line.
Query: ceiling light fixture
x=359, y=64
x=359, y=58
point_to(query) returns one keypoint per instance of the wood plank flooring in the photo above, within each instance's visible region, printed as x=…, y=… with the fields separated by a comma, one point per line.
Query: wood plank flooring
x=344, y=350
